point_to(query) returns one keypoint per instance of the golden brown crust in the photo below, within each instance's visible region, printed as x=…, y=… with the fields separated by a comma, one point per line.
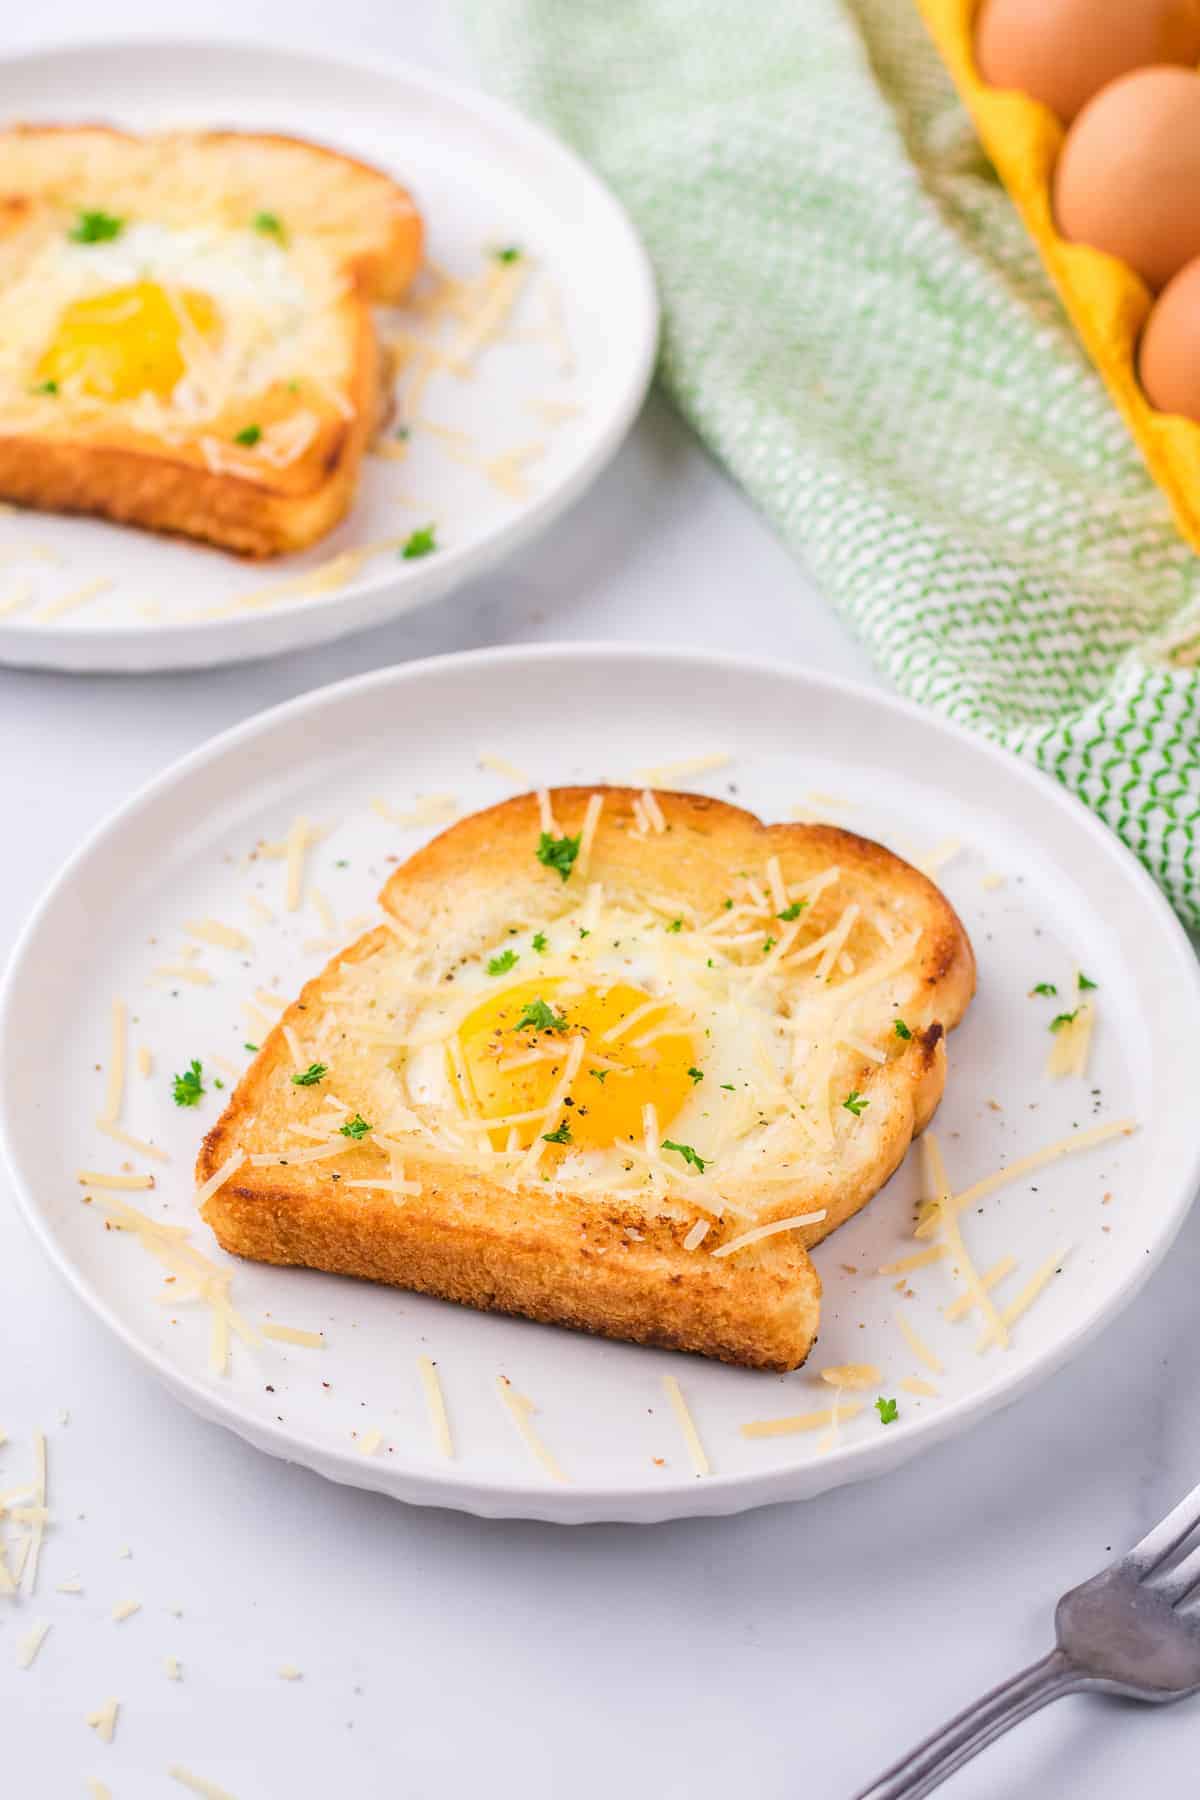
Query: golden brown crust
x=244, y=504
x=615, y=1266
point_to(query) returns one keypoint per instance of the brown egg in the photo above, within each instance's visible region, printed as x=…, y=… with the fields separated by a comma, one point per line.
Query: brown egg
x=1128, y=178
x=1169, y=353
x=1064, y=51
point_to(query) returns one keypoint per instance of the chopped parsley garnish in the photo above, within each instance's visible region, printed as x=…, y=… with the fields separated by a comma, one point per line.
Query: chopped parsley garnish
x=854, y=1103
x=728, y=1086
x=1061, y=1019
x=511, y=253
x=421, y=542
x=539, y=942
x=252, y=1048
x=888, y=1411
x=696, y=1074
x=188, y=1087
x=46, y=387
x=584, y=933
x=540, y=1017
x=768, y=945
x=792, y=912
x=341, y=863
x=355, y=1128
x=402, y=434
x=500, y=965
x=95, y=228
x=699, y=1163
x=309, y=1077
x=558, y=853
x=1084, y=982
x=248, y=435
x=600, y=1074
x=271, y=225
x=217, y=1082
x=1044, y=987
x=675, y=925
x=901, y=1029
x=561, y=1136
x=728, y=905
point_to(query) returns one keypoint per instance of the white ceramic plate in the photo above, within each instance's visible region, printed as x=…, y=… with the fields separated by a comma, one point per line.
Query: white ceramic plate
x=1071, y=898
x=560, y=388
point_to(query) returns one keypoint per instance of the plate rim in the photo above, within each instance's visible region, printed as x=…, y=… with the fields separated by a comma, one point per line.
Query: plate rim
x=577, y=1502
x=118, y=644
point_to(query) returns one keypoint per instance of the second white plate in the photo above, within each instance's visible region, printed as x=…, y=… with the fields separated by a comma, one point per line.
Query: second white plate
x=490, y=460
x=1044, y=890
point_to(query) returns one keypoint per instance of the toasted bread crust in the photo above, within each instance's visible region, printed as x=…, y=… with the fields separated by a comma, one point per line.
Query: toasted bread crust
x=245, y=504
x=615, y=1267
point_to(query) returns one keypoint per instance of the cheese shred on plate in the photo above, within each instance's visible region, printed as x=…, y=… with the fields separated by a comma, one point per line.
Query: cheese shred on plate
x=794, y=1422
x=521, y=1410
x=687, y=1425
x=435, y=1403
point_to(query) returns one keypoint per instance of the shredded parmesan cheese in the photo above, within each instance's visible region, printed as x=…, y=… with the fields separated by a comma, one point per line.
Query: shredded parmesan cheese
x=132, y=1143
x=809, y=1421
x=591, y=819
x=145, y=1062
x=75, y=598
x=918, y=1346
x=663, y=774
x=95, y=1178
x=212, y=931
x=920, y=1259
x=990, y=1278
x=852, y=1375
x=29, y=1645
x=521, y=1411
x=1025, y=1165
x=500, y=765
x=104, y=1720
x=765, y=1231
x=435, y=1403
x=208, y=1790
x=220, y=1176
x=697, y=1233
x=435, y=809
x=298, y=840
x=1028, y=1294
x=125, y=1609
x=687, y=1425
x=953, y=1237
x=369, y=1444
x=115, y=1081
x=291, y=1334
x=912, y=1384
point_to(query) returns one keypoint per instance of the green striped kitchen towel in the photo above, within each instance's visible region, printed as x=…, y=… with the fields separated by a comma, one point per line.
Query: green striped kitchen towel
x=857, y=324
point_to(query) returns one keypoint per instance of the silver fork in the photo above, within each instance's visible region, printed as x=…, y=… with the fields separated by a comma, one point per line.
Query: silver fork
x=1127, y=1631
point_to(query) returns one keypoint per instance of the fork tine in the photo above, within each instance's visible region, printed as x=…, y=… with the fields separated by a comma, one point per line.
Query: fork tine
x=1175, y=1584
x=1167, y=1536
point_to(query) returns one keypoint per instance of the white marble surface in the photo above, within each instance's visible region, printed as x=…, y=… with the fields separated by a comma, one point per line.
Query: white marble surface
x=788, y=1652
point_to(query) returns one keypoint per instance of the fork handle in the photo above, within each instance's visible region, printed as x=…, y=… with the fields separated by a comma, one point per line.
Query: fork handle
x=970, y=1731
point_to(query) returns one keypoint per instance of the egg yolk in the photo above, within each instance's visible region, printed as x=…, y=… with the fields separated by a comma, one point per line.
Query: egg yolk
x=638, y=1051
x=125, y=342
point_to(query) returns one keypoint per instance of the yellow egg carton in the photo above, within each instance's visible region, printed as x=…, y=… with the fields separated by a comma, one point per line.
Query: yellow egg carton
x=1106, y=300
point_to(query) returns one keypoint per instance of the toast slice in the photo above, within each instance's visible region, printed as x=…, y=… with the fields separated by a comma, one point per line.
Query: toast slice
x=602, y=1054
x=186, y=340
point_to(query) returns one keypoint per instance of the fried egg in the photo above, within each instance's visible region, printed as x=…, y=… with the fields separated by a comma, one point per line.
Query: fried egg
x=620, y=1035
x=120, y=312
